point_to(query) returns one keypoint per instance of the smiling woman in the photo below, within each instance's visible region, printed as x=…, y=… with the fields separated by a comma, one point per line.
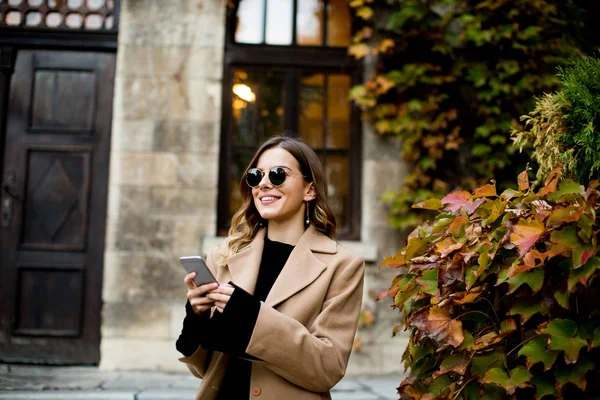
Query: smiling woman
x=286, y=290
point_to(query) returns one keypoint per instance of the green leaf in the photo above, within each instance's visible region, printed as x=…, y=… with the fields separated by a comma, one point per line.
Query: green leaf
x=533, y=278
x=480, y=364
x=518, y=378
x=527, y=309
x=543, y=387
x=535, y=352
x=583, y=274
x=595, y=339
x=431, y=204
x=416, y=247
x=574, y=374
x=562, y=298
x=439, y=384
x=429, y=281
x=457, y=363
x=442, y=222
x=568, y=190
x=564, y=336
x=568, y=238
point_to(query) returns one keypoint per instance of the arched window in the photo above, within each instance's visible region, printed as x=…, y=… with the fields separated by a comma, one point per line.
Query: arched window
x=287, y=69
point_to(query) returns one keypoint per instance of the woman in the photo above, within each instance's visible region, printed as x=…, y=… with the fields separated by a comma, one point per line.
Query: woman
x=281, y=321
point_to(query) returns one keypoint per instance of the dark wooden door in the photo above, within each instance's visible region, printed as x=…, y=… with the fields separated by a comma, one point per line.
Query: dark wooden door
x=53, y=206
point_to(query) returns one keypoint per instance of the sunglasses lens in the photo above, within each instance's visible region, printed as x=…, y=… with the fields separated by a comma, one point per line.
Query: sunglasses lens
x=277, y=176
x=253, y=177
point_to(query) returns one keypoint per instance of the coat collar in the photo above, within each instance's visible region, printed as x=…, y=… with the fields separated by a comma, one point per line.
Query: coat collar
x=301, y=269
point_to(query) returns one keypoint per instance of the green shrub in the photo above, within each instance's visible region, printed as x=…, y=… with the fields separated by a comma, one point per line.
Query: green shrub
x=564, y=127
x=500, y=294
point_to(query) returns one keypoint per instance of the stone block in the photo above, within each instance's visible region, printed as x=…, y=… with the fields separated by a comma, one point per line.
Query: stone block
x=133, y=278
x=188, y=235
x=127, y=200
x=175, y=201
x=144, y=97
x=194, y=100
x=380, y=148
x=177, y=316
x=389, y=240
x=172, y=25
x=123, y=354
x=143, y=169
x=187, y=137
x=132, y=135
x=198, y=171
x=177, y=62
x=381, y=176
x=139, y=232
x=136, y=320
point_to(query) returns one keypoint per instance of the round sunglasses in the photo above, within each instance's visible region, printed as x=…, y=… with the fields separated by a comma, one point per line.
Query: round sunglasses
x=276, y=175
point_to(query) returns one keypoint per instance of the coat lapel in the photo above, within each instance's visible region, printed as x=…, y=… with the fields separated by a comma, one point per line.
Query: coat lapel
x=302, y=267
x=244, y=266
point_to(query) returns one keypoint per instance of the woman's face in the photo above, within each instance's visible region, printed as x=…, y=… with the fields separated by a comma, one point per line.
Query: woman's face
x=283, y=203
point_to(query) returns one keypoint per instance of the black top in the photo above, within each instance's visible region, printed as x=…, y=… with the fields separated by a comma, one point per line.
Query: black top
x=231, y=331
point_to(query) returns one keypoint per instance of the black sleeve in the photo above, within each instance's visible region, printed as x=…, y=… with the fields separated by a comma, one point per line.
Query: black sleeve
x=195, y=331
x=238, y=321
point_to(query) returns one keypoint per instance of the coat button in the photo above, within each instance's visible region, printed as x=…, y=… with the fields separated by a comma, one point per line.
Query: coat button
x=256, y=391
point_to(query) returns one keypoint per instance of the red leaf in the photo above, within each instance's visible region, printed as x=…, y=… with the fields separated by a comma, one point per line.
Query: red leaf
x=526, y=233
x=455, y=200
x=437, y=324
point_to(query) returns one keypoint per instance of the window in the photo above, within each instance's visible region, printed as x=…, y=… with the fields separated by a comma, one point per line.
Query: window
x=287, y=70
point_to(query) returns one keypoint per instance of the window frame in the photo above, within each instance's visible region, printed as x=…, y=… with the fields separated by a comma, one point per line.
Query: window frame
x=294, y=60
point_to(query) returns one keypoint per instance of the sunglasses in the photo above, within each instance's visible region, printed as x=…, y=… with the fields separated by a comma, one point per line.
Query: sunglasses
x=277, y=176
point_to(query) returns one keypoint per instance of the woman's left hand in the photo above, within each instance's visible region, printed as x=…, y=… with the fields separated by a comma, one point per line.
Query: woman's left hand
x=221, y=296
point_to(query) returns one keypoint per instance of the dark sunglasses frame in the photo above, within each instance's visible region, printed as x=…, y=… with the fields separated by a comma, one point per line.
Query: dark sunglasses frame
x=277, y=176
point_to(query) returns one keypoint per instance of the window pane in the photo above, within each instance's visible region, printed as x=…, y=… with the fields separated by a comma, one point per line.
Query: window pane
x=257, y=105
x=338, y=112
x=240, y=161
x=310, y=123
x=279, y=21
x=250, y=21
x=271, y=105
x=338, y=23
x=243, y=106
x=338, y=188
x=309, y=23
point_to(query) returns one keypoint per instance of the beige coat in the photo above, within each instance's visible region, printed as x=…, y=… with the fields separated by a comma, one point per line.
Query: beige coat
x=305, y=329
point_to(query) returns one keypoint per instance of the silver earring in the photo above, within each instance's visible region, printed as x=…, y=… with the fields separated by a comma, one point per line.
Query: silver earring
x=307, y=217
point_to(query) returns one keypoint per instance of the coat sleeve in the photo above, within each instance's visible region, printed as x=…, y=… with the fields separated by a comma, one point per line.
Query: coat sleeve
x=313, y=357
x=198, y=362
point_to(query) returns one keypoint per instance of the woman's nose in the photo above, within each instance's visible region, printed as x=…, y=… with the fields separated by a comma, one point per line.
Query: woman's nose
x=264, y=182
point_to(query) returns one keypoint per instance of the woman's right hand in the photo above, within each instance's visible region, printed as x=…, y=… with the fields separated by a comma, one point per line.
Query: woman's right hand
x=197, y=294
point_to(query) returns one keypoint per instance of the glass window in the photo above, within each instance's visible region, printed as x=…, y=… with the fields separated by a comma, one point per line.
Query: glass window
x=309, y=23
x=338, y=23
x=338, y=186
x=338, y=111
x=250, y=21
x=311, y=116
x=280, y=14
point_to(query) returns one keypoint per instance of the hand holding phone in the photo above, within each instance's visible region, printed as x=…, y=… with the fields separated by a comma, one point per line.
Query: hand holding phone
x=196, y=264
x=203, y=283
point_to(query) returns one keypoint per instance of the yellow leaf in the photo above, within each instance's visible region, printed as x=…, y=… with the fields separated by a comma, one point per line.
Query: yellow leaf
x=386, y=44
x=364, y=12
x=359, y=50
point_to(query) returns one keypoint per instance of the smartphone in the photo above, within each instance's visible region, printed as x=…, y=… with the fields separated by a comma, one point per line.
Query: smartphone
x=196, y=264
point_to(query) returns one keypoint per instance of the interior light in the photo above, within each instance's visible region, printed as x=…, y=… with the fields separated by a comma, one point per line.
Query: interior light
x=244, y=92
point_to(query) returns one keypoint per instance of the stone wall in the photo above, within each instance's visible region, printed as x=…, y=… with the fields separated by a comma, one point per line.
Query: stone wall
x=163, y=175
x=164, y=182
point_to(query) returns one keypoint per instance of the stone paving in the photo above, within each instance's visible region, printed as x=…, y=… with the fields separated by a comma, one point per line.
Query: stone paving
x=88, y=383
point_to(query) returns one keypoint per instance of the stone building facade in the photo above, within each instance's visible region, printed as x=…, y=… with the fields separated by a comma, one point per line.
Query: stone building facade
x=163, y=187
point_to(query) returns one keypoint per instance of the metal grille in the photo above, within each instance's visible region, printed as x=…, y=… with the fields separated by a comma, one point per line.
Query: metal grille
x=70, y=15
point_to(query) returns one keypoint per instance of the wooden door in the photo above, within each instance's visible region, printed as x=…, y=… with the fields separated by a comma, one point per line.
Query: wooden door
x=53, y=206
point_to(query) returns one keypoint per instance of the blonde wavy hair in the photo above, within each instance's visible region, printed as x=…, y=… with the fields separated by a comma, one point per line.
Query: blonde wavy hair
x=246, y=222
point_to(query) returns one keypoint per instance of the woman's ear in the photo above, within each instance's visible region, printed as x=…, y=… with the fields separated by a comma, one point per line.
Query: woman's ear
x=310, y=194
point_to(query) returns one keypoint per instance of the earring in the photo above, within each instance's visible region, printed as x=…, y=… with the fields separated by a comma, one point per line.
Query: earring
x=307, y=216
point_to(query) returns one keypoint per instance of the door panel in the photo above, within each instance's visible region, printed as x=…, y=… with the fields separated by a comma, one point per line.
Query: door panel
x=55, y=177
